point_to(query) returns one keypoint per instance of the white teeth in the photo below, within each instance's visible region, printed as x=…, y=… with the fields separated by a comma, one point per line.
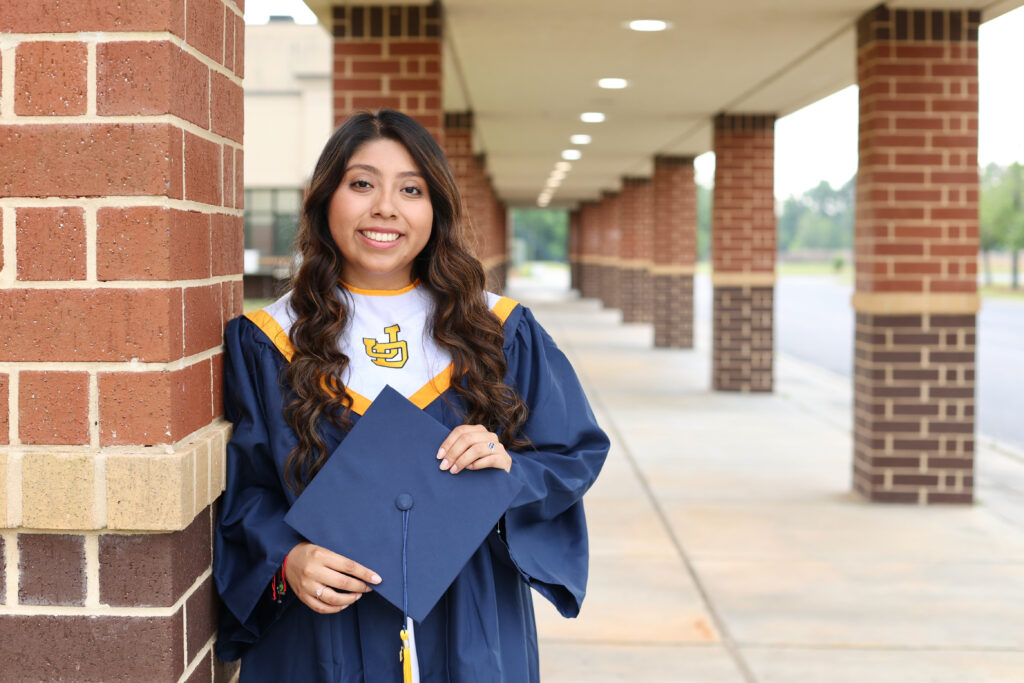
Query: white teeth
x=381, y=236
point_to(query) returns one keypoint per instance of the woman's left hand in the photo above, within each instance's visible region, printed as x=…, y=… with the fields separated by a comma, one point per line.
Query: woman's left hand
x=472, y=447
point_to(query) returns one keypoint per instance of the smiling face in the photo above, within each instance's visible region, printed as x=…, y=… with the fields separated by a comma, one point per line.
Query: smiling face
x=380, y=216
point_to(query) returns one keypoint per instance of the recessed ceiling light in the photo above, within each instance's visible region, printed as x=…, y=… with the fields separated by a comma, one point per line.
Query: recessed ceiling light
x=563, y=166
x=558, y=175
x=571, y=154
x=591, y=117
x=648, y=25
x=612, y=83
x=579, y=139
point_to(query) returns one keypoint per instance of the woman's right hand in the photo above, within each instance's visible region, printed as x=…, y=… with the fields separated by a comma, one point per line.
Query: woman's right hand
x=311, y=569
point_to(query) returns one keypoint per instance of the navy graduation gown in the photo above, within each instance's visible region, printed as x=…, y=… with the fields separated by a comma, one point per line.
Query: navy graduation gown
x=483, y=629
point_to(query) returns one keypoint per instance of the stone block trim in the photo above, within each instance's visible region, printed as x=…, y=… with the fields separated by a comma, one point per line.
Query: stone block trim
x=389, y=57
x=122, y=488
x=673, y=311
x=742, y=338
x=914, y=408
x=93, y=602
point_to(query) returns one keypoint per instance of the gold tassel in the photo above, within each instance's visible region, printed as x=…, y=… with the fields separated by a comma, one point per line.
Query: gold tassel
x=405, y=657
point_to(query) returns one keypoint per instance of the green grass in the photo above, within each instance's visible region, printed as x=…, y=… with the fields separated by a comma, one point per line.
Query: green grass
x=255, y=304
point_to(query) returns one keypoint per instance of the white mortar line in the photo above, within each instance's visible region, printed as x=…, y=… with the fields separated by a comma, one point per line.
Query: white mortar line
x=11, y=568
x=119, y=284
x=91, y=230
x=7, y=45
x=92, y=570
x=13, y=413
x=115, y=366
x=202, y=656
x=9, y=273
x=119, y=202
x=125, y=120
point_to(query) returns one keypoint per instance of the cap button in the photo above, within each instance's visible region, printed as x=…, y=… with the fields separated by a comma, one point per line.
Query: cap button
x=403, y=501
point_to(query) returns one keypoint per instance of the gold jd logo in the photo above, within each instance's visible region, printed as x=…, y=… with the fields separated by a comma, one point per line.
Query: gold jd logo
x=389, y=354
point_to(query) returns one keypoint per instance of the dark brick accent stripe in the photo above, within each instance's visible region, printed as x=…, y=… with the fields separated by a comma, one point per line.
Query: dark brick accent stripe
x=458, y=120
x=154, y=570
x=743, y=345
x=741, y=123
x=51, y=569
x=673, y=311
x=636, y=298
x=91, y=648
x=918, y=25
x=399, y=21
x=914, y=400
x=670, y=160
x=611, y=286
x=590, y=287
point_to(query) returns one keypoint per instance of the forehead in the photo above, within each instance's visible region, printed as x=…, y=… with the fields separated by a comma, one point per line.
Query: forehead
x=384, y=155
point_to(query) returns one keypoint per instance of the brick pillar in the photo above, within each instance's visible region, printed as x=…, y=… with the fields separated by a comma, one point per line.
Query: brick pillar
x=573, y=249
x=590, y=250
x=916, y=245
x=743, y=251
x=121, y=206
x=675, y=253
x=389, y=56
x=611, y=239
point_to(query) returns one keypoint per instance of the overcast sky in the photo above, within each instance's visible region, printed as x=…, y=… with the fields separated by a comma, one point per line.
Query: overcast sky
x=819, y=142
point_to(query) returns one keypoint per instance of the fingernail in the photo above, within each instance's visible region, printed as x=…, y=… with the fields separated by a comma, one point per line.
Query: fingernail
x=454, y=469
x=375, y=579
x=444, y=464
x=440, y=453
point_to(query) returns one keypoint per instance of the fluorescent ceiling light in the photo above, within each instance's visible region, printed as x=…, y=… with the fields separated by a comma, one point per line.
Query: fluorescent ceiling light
x=591, y=117
x=612, y=83
x=571, y=154
x=648, y=25
x=579, y=139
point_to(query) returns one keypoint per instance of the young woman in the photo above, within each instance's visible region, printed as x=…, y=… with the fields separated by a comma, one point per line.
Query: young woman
x=383, y=246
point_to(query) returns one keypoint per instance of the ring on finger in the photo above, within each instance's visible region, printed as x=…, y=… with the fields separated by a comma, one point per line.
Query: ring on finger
x=491, y=446
x=320, y=591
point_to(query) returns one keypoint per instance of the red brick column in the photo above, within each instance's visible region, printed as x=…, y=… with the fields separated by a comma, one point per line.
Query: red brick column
x=743, y=251
x=916, y=245
x=121, y=211
x=590, y=250
x=675, y=251
x=573, y=249
x=389, y=56
x=611, y=239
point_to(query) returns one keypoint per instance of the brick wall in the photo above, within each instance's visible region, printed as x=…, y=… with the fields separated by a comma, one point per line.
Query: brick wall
x=389, y=56
x=121, y=211
x=743, y=251
x=916, y=245
x=590, y=250
x=675, y=250
x=611, y=240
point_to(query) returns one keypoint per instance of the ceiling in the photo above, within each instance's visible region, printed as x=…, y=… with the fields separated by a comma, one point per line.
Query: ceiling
x=529, y=68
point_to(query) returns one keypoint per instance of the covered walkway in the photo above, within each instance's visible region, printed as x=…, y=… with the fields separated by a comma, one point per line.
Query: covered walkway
x=728, y=546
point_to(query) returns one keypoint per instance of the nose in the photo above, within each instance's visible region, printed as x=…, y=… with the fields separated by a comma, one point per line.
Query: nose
x=383, y=205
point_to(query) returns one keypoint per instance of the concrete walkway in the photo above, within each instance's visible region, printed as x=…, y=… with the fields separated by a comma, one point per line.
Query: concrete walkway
x=726, y=545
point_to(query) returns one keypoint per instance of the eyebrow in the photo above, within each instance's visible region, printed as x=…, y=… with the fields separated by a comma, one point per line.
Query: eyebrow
x=376, y=171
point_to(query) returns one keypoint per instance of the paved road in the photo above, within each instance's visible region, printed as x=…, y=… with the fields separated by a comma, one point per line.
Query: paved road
x=814, y=322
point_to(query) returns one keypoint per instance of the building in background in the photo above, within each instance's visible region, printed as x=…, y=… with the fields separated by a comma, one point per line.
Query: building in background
x=287, y=122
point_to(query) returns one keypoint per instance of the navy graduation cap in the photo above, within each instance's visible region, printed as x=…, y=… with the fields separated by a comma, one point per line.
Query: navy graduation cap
x=382, y=501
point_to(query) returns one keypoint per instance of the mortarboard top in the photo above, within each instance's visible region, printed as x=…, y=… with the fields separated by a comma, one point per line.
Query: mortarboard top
x=387, y=461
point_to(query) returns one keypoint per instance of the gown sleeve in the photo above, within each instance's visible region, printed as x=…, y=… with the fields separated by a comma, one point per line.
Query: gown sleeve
x=545, y=530
x=251, y=538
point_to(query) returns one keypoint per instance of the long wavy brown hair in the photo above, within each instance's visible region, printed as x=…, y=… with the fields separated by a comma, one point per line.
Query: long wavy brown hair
x=462, y=323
